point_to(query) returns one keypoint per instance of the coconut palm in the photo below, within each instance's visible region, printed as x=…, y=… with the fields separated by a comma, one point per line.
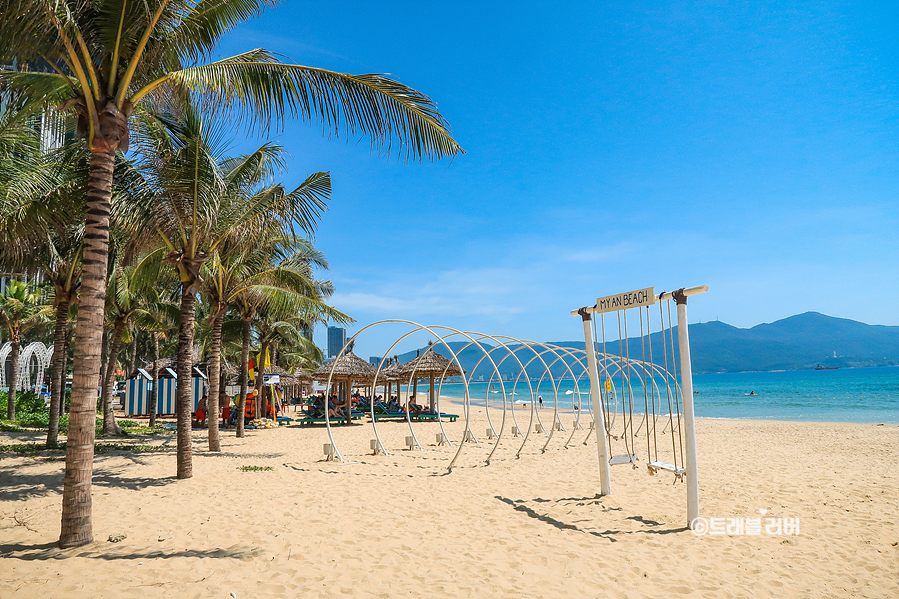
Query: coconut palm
x=21, y=309
x=125, y=298
x=41, y=225
x=199, y=199
x=102, y=58
x=159, y=317
x=275, y=262
x=283, y=329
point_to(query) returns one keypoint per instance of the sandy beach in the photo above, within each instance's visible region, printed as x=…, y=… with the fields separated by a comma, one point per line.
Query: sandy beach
x=400, y=526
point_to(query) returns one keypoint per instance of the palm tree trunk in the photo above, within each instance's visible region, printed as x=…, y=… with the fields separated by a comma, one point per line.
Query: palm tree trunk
x=244, y=376
x=184, y=367
x=153, y=401
x=213, y=411
x=13, y=378
x=110, y=426
x=57, y=370
x=134, y=350
x=104, y=356
x=65, y=363
x=77, y=525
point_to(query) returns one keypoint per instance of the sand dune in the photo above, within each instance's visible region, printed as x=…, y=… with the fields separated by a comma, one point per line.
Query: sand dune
x=399, y=525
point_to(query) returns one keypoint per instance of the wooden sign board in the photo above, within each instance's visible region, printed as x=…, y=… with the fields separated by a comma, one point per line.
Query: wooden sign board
x=623, y=301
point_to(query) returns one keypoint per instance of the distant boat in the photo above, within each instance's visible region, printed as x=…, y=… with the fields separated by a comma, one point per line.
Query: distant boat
x=819, y=367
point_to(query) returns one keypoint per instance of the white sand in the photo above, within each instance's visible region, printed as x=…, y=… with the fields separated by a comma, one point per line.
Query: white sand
x=379, y=526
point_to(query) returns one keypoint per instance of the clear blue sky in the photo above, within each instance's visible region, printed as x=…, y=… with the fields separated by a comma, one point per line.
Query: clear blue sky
x=750, y=146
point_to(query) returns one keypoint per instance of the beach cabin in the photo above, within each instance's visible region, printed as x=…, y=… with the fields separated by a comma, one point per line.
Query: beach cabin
x=137, y=392
x=166, y=394
x=139, y=387
x=199, y=385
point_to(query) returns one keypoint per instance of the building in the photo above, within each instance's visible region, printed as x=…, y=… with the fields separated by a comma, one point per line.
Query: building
x=336, y=341
x=374, y=361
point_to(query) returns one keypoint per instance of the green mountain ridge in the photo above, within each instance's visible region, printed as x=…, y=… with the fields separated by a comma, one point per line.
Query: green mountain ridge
x=794, y=343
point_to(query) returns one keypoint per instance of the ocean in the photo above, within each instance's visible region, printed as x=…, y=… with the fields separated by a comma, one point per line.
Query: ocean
x=863, y=395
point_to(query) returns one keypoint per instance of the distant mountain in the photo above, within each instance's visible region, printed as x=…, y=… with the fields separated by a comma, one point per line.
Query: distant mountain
x=795, y=343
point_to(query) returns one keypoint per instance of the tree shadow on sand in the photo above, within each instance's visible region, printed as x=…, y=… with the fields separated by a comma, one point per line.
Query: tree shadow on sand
x=17, y=486
x=519, y=506
x=49, y=551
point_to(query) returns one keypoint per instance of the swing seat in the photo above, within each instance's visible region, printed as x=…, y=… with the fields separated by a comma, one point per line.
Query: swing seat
x=669, y=467
x=623, y=459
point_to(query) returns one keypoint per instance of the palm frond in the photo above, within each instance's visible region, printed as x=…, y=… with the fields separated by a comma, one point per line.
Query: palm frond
x=263, y=89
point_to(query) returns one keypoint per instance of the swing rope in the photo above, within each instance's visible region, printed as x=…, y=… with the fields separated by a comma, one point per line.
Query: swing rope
x=655, y=440
x=645, y=397
x=605, y=398
x=676, y=387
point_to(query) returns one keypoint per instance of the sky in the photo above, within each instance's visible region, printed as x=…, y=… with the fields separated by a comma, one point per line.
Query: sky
x=748, y=146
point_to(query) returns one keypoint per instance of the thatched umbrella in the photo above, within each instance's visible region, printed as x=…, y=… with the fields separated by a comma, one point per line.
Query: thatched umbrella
x=430, y=365
x=390, y=374
x=347, y=368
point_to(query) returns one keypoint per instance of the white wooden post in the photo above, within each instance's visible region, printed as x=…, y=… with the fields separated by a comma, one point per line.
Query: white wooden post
x=605, y=482
x=686, y=375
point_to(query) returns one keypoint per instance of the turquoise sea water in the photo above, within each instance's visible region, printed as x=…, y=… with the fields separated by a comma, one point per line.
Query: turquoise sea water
x=867, y=395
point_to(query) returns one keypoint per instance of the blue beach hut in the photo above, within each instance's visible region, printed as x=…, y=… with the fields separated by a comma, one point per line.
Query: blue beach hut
x=166, y=394
x=137, y=392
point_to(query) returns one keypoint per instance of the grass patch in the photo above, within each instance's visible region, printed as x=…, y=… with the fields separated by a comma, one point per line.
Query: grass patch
x=255, y=468
x=105, y=447
x=9, y=426
x=29, y=448
x=33, y=448
x=135, y=428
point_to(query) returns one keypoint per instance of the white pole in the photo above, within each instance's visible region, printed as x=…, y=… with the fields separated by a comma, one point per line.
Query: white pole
x=605, y=482
x=686, y=375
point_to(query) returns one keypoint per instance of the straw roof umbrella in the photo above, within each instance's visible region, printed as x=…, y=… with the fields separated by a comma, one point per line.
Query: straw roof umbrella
x=431, y=365
x=391, y=374
x=347, y=368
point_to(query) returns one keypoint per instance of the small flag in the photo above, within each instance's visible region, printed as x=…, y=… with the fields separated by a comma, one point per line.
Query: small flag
x=252, y=371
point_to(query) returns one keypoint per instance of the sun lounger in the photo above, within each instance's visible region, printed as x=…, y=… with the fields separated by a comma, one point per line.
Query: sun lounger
x=308, y=420
x=389, y=416
x=428, y=417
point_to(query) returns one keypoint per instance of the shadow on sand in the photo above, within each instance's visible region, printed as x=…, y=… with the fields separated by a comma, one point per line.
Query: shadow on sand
x=49, y=551
x=519, y=506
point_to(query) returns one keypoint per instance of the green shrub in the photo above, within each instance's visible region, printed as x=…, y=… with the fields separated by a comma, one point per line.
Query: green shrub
x=8, y=426
x=39, y=420
x=27, y=402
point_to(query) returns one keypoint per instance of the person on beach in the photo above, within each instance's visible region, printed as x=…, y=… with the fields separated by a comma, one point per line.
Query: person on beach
x=225, y=403
x=201, y=412
x=540, y=400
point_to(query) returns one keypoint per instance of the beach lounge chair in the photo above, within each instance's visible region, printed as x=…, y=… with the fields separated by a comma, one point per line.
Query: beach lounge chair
x=428, y=416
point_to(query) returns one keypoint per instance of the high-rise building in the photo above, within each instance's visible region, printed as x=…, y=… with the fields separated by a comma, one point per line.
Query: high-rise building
x=374, y=361
x=336, y=341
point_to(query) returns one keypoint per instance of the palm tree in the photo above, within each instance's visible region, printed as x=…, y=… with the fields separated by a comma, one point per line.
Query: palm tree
x=159, y=317
x=41, y=225
x=125, y=303
x=102, y=59
x=202, y=200
x=276, y=263
x=21, y=310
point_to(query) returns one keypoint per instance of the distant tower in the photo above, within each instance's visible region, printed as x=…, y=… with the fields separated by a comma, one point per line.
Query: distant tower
x=336, y=340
